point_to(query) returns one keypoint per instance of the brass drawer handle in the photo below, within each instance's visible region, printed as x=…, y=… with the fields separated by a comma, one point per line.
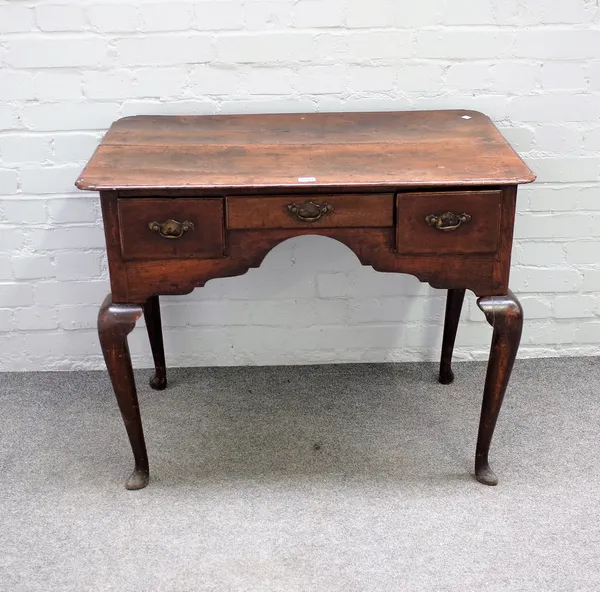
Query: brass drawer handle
x=309, y=211
x=448, y=221
x=171, y=228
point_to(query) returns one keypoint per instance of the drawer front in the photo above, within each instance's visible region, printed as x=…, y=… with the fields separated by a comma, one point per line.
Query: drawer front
x=448, y=222
x=302, y=211
x=164, y=228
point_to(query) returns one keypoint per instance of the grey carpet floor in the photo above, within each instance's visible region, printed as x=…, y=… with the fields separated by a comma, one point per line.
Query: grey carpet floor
x=314, y=478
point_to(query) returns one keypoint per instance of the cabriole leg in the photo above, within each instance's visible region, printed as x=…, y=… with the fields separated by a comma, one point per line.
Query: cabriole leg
x=153, y=324
x=454, y=304
x=115, y=322
x=505, y=315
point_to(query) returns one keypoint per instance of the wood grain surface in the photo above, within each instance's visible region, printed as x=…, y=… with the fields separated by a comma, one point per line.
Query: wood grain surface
x=348, y=211
x=480, y=235
x=204, y=239
x=351, y=150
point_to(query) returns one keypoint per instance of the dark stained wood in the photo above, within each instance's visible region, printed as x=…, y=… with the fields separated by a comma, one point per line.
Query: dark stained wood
x=478, y=235
x=377, y=177
x=204, y=239
x=247, y=248
x=454, y=304
x=348, y=211
x=115, y=322
x=396, y=149
x=505, y=315
x=154, y=326
x=505, y=238
x=116, y=265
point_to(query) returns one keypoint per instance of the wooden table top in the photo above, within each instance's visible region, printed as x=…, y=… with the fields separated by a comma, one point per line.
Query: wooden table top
x=288, y=151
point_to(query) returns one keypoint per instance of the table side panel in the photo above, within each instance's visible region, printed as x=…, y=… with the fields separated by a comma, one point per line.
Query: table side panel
x=119, y=285
x=505, y=243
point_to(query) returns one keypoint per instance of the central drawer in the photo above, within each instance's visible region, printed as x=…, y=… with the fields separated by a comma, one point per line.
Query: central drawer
x=302, y=211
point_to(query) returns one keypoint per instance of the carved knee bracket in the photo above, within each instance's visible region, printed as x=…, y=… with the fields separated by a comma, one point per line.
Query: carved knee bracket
x=116, y=321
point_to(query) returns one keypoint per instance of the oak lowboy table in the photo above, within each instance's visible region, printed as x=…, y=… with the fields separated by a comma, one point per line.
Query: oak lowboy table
x=189, y=199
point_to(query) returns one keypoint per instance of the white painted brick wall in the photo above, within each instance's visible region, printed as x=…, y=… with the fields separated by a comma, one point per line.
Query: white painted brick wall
x=68, y=69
